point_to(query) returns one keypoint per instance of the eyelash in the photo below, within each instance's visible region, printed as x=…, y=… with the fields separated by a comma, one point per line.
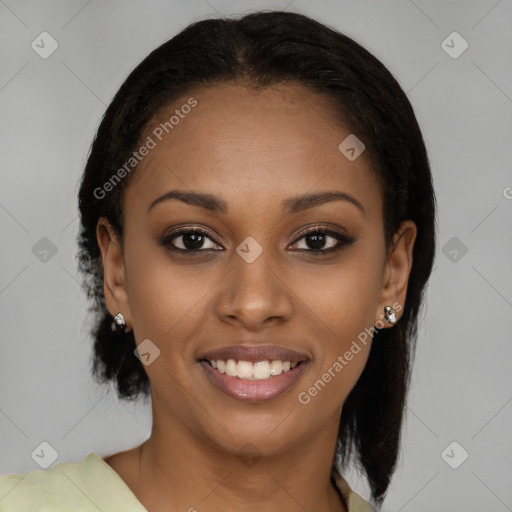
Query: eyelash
x=343, y=240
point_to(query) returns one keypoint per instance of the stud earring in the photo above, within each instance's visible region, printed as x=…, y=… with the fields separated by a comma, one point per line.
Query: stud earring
x=119, y=324
x=390, y=315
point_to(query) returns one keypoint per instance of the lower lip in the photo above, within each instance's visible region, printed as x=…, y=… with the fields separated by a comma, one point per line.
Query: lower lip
x=254, y=390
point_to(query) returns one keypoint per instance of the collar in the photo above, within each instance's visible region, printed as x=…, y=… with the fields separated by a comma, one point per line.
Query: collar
x=353, y=501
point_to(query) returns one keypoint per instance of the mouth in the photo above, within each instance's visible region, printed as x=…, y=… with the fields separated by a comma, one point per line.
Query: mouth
x=259, y=370
x=254, y=373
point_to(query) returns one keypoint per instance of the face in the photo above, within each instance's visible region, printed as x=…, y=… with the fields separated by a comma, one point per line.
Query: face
x=274, y=242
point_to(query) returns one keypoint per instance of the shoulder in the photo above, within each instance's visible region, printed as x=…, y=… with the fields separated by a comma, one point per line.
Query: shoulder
x=354, y=502
x=68, y=486
x=53, y=488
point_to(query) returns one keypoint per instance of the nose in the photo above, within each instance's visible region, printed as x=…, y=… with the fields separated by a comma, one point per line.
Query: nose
x=255, y=295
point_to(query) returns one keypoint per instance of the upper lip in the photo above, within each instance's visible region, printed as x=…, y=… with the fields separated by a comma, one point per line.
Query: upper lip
x=255, y=353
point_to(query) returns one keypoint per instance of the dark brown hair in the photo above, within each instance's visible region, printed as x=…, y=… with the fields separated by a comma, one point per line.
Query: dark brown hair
x=263, y=49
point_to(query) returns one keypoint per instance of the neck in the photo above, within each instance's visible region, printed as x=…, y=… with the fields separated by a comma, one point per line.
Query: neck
x=175, y=469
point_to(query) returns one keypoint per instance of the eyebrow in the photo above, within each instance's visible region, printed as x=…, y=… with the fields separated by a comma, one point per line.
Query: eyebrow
x=290, y=206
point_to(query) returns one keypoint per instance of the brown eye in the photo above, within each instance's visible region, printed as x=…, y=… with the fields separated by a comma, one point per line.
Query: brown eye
x=322, y=240
x=316, y=241
x=189, y=240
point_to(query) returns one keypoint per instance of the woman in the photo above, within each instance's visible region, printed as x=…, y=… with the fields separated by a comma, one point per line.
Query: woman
x=258, y=226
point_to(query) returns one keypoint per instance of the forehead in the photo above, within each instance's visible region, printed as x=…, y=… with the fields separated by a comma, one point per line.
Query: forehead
x=237, y=141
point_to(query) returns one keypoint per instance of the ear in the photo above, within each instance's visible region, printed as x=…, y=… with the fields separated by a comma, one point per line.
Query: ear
x=396, y=272
x=114, y=279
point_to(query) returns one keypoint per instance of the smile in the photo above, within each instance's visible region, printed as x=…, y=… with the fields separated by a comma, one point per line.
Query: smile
x=253, y=371
x=253, y=381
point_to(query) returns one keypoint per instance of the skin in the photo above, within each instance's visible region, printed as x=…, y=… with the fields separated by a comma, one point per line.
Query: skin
x=253, y=149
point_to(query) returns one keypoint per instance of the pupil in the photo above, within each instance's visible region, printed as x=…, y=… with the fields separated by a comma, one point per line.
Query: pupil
x=197, y=241
x=318, y=241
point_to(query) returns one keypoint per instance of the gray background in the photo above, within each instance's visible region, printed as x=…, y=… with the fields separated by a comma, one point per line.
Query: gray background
x=50, y=109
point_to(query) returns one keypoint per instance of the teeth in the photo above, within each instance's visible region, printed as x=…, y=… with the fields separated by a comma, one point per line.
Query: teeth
x=231, y=367
x=261, y=370
x=252, y=371
x=243, y=370
x=276, y=367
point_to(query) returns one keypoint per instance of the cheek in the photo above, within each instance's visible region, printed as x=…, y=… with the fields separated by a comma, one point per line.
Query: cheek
x=164, y=296
x=341, y=302
x=343, y=345
x=168, y=304
x=342, y=298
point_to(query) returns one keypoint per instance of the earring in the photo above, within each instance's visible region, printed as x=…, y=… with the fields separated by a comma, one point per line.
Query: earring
x=119, y=324
x=390, y=315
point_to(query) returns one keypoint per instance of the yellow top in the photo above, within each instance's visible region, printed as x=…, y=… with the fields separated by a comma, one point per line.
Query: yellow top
x=92, y=485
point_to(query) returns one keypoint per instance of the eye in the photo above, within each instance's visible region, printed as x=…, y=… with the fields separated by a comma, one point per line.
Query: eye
x=316, y=241
x=322, y=240
x=189, y=240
